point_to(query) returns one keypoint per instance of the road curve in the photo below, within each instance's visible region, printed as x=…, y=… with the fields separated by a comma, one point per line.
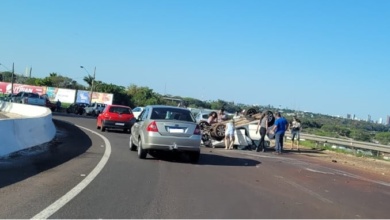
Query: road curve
x=225, y=184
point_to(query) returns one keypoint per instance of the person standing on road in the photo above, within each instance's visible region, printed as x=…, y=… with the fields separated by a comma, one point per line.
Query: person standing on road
x=280, y=127
x=263, y=125
x=295, y=132
x=58, y=105
x=229, y=135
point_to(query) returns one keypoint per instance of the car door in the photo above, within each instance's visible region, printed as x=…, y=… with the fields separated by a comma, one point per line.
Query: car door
x=137, y=127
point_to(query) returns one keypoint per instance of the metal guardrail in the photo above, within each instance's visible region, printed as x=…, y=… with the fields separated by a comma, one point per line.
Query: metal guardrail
x=348, y=143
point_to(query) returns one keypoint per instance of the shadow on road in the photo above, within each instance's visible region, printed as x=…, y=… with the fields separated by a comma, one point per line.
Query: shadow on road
x=26, y=163
x=72, y=115
x=219, y=160
x=304, y=151
x=205, y=159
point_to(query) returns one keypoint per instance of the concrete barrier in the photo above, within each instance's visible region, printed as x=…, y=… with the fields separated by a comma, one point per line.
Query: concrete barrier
x=35, y=128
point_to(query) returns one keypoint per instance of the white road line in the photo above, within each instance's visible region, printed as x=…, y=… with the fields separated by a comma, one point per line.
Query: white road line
x=51, y=209
x=306, y=190
x=330, y=171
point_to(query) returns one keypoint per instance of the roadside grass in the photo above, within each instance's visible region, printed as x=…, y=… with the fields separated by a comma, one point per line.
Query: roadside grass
x=326, y=146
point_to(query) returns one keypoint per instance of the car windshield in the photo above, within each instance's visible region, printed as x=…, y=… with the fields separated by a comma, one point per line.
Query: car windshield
x=120, y=110
x=172, y=114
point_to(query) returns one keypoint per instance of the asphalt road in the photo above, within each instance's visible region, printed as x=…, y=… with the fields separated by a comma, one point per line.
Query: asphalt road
x=225, y=184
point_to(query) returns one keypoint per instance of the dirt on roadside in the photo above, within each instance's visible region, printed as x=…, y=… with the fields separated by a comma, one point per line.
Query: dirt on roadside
x=364, y=164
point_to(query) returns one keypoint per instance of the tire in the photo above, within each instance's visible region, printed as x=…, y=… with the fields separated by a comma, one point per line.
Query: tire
x=132, y=147
x=194, y=157
x=141, y=152
x=97, y=124
x=205, y=137
x=271, y=118
x=103, y=128
x=250, y=112
x=218, y=131
x=203, y=125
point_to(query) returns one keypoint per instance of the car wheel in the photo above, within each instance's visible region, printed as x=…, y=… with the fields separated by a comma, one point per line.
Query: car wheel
x=131, y=144
x=97, y=124
x=194, y=157
x=103, y=128
x=141, y=152
x=203, y=125
x=250, y=112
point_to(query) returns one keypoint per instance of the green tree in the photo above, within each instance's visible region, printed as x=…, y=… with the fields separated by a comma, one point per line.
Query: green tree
x=361, y=135
x=88, y=79
x=142, y=96
x=383, y=137
x=7, y=76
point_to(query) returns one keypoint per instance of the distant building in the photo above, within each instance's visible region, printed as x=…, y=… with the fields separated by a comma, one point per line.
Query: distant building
x=388, y=120
x=369, y=118
x=380, y=121
x=348, y=116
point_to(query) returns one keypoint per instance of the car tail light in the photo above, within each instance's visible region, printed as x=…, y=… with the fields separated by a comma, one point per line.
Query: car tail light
x=197, y=130
x=152, y=127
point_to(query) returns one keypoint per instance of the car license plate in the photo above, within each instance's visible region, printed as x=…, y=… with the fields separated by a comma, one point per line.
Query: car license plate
x=176, y=130
x=121, y=124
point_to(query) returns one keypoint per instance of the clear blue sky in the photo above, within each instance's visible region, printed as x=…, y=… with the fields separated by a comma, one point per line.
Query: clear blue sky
x=323, y=56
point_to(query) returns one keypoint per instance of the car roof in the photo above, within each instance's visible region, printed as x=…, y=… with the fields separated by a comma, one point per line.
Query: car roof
x=124, y=106
x=166, y=106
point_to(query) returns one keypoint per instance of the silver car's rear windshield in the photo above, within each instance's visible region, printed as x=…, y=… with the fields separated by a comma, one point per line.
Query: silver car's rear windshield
x=172, y=114
x=120, y=110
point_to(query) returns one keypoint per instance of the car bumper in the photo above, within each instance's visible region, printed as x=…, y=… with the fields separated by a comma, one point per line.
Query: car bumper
x=117, y=124
x=169, y=144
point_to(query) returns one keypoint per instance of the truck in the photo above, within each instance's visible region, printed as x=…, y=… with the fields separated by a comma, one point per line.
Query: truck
x=94, y=109
x=33, y=99
x=28, y=98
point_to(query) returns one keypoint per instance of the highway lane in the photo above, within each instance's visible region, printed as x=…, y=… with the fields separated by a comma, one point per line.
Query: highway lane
x=225, y=184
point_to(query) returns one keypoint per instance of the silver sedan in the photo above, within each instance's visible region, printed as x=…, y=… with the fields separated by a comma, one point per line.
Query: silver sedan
x=166, y=128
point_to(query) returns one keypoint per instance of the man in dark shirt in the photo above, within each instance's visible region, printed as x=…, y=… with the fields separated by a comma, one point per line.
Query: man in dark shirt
x=280, y=127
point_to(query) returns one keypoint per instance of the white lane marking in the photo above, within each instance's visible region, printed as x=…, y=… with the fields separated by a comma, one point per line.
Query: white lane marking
x=317, y=171
x=51, y=209
x=330, y=171
x=306, y=190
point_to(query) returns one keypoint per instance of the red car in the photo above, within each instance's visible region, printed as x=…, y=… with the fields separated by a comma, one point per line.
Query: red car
x=116, y=117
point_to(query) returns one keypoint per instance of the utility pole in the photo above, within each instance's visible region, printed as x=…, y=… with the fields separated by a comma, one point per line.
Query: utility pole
x=12, y=79
x=93, y=80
